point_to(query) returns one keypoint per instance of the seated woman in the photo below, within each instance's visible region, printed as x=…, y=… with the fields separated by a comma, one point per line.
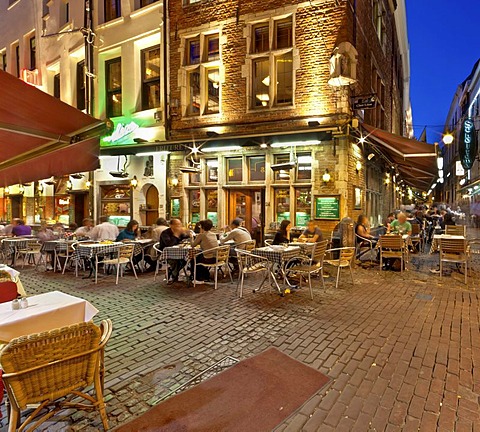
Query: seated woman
x=283, y=234
x=130, y=233
x=206, y=240
x=364, y=239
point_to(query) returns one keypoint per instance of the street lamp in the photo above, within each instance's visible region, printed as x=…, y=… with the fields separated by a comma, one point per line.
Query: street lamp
x=447, y=138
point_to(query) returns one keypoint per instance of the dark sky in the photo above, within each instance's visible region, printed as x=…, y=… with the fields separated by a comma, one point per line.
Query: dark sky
x=444, y=45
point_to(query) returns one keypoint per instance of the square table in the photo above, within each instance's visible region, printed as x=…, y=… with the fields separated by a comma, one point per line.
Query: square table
x=44, y=312
x=92, y=251
x=437, y=238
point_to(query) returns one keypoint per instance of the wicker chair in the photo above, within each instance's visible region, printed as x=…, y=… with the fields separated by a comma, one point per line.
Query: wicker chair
x=454, y=251
x=53, y=368
x=222, y=254
x=345, y=259
x=124, y=257
x=308, y=265
x=460, y=230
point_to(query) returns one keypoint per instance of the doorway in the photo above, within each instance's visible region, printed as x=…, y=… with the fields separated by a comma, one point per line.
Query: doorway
x=249, y=206
x=80, y=207
x=151, y=198
x=16, y=202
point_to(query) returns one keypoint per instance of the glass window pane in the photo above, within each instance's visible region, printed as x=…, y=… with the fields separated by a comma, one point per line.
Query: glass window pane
x=114, y=104
x=304, y=167
x=260, y=38
x=212, y=171
x=194, y=93
x=213, y=48
x=234, y=170
x=284, y=68
x=114, y=74
x=213, y=95
x=212, y=206
x=303, y=198
x=261, y=83
x=151, y=95
x=194, y=200
x=282, y=175
x=193, y=51
x=283, y=34
x=151, y=60
x=256, y=168
x=282, y=204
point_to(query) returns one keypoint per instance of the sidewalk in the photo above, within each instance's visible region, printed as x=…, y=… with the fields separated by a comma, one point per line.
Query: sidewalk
x=403, y=350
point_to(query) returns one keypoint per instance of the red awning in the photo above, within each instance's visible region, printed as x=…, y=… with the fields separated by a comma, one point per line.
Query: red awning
x=414, y=160
x=41, y=136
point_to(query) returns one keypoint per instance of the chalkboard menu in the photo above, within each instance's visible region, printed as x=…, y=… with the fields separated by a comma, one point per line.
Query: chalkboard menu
x=327, y=207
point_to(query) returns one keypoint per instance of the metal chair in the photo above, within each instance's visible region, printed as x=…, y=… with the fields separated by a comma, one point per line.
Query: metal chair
x=160, y=260
x=268, y=242
x=32, y=248
x=367, y=245
x=65, y=252
x=124, y=257
x=345, y=259
x=454, y=251
x=460, y=230
x=392, y=246
x=221, y=259
x=249, y=263
x=53, y=370
x=308, y=266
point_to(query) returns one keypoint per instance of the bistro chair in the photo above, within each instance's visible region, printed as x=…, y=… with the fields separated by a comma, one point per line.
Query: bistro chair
x=460, y=230
x=392, y=246
x=54, y=370
x=454, y=251
x=344, y=260
x=222, y=254
x=250, y=263
x=28, y=251
x=64, y=252
x=160, y=260
x=416, y=238
x=308, y=265
x=364, y=246
x=124, y=256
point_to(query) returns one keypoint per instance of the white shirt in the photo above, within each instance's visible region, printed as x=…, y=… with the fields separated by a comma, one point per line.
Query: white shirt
x=238, y=235
x=104, y=231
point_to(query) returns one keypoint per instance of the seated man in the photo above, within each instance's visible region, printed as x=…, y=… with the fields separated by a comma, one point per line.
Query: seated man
x=173, y=236
x=312, y=234
x=238, y=234
x=400, y=225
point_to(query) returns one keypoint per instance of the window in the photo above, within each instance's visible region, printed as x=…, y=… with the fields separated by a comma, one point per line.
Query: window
x=3, y=58
x=212, y=205
x=282, y=175
x=256, y=168
x=17, y=60
x=56, y=86
x=194, y=200
x=151, y=78
x=33, y=50
x=378, y=17
x=282, y=204
x=234, y=170
x=81, y=85
x=202, y=71
x=212, y=171
x=303, y=199
x=144, y=3
x=271, y=55
x=304, y=167
x=113, y=74
x=64, y=12
x=378, y=89
x=112, y=9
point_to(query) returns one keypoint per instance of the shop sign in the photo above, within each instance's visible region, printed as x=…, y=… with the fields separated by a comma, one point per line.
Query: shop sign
x=365, y=103
x=459, y=171
x=121, y=131
x=468, y=144
x=327, y=207
x=62, y=201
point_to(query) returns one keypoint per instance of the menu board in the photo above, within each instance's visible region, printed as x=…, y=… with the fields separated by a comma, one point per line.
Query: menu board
x=327, y=207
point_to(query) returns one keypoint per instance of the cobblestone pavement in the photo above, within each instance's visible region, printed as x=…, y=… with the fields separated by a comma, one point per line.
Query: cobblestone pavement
x=403, y=350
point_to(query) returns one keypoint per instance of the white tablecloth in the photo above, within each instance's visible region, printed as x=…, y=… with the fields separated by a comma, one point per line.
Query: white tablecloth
x=14, y=277
x=44, y=312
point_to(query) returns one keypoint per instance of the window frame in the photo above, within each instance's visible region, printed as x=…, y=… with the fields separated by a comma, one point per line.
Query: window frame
x=33, y=52
x=57, y=86
x=109, y=93
x=147, y=83
x=80, y=85
x=112, y=9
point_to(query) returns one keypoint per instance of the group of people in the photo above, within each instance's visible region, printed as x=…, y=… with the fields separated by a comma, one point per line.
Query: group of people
x=311, y=234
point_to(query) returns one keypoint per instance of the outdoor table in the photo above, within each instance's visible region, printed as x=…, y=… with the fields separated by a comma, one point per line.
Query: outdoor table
x=54, y=247
x=14, y=277
x=12, y=244
x=44, y=312
x=92, y=252
x=140, y=246
x=178, y=253
x=436, y=240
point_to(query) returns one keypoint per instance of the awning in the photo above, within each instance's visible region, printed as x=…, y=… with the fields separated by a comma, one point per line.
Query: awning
x=414, y=160
x=41, y=136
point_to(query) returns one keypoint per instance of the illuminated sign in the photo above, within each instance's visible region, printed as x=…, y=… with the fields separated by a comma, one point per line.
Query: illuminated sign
x=459, y=171
x=121, y=131
x=468, y=144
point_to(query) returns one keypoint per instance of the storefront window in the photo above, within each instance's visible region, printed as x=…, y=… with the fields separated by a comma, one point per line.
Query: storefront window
x=212, y=206
x=116, y=203
x=175, y=207
x=194, y=200
x=234, y=170
x=194, y=178
x=282, y=175
x=212, y=171
x=282, y=204
x=304, y=167
x=256, y=168
x=303, y=198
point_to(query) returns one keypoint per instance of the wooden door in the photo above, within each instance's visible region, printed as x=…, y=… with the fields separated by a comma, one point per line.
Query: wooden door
x=240, y=206
x=152, y=201
x=16, y=202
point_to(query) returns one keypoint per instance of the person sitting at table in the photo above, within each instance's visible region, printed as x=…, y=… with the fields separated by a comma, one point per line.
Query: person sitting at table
x=238, y=233
x=105, y=230
x=206, y=240
x=173, y=236
x=160, y=225
x=20, y=229
x=45, y=233
x=312, y=234
x=447, y=220
x=130, y=232
x=283, y=234
x=85, y=229
x=400, y=225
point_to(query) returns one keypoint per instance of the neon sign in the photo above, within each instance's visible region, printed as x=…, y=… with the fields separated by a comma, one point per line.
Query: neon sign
x=468, y=144
x=121, y=131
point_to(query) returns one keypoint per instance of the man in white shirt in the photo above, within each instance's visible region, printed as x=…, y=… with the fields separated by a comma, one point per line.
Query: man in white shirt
x=238, y=233
x=85, y=229
x=105, y=230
